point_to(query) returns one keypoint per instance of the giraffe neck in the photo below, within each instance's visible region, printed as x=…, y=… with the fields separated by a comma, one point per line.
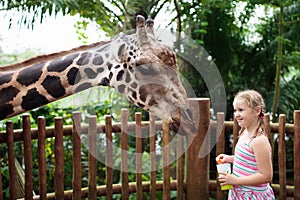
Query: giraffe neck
x=45, y=79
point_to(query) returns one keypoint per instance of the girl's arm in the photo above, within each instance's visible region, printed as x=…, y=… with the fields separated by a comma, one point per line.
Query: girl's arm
x=262, y=151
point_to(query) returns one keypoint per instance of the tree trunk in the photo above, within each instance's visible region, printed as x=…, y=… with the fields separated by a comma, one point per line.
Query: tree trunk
x=278, y=63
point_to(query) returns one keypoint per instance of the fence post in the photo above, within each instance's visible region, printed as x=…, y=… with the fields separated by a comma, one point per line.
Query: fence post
x=1, y=192
x=138, y=162
x=59, y=158
x=124, y=163
x=236, y=129
x=11, y=160
x=267, y=125
x=166, y=161
x=282, y=157
x=27, y=156
x=296, y=154
x=152, y=158
x=77, y=168
x=109, y=157
x=197, y=169
x=220, y=146
x=180, y=167
x=42, y=157
x=92, y=130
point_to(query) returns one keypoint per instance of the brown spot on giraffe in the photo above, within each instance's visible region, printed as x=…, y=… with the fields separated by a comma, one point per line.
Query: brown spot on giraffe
x=5, y=78
x=54, y=87
x=30, y=75
x=33, y=99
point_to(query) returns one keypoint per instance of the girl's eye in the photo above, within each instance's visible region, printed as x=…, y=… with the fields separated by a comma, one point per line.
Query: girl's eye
x=240, y=110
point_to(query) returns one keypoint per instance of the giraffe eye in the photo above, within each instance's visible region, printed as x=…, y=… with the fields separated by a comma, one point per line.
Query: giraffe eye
x=147, y=69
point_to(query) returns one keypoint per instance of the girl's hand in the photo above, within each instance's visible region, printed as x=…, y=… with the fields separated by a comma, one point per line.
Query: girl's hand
x=226, y=178
x=224, y=158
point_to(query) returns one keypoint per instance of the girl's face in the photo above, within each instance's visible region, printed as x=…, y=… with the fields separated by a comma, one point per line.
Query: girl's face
x=244, y=115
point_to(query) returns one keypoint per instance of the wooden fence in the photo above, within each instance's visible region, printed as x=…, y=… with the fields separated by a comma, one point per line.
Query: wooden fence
x=192, y=173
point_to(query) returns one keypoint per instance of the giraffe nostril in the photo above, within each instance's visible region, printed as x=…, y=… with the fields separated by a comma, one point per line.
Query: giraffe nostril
x=174, y=124
x=173, y=127
x=186, y=114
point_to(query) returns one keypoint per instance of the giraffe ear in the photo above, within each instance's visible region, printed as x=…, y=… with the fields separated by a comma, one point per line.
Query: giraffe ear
x=142, y=36
x=140, y=21
x=149, y=27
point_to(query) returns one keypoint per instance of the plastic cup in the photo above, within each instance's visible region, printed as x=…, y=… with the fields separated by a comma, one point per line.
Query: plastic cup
x=225, y=167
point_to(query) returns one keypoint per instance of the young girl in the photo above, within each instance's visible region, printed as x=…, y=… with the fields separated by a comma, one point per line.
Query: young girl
x=252, y=164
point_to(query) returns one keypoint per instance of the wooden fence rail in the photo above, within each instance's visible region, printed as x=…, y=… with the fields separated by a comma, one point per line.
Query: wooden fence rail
x=192, y=173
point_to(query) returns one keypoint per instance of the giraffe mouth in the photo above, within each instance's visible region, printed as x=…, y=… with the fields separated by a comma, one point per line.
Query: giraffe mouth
x=183, y=126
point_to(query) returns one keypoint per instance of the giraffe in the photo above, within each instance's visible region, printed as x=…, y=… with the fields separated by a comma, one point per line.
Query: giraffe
x=136, y=65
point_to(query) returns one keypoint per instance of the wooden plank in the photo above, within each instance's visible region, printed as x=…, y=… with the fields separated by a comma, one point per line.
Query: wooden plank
x=289, y=129
x=152, y=157
x=117, y=189
x=1, y=190
x=124, y=146
x=236, y=130
x=77, y=165
x=68, y=130
x=220, y=147
x=296, y=154
x=92, y=158
x=109, y=156
x=282, y=157
x=268, y=129
x=11, y=160
x=138, y=162
x=197, y=169
x=166, y=161
x=27, y=156
x=59, y=158
x=267, y=123
x=42, y=157
x=180, y=167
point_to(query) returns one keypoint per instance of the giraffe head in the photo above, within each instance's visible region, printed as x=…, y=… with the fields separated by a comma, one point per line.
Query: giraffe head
x=151, y=80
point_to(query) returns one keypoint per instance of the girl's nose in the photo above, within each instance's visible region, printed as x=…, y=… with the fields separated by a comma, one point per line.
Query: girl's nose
x=236, y=114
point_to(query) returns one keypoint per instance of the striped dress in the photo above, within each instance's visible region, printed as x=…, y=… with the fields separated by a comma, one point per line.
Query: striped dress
x=244, y=165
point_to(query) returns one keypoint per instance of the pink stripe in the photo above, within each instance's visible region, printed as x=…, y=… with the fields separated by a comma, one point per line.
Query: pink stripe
x=242, y=153
x=241, y=172
x=246, y=156
x=255, y=168
x=247, y=148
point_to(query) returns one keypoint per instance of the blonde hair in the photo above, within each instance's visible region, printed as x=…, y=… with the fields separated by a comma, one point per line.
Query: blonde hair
x=254, y=100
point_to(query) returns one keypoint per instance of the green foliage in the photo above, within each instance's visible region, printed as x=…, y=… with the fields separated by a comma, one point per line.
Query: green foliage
x=112, y=16
x=243, y=64
x=6, y=59
x=289, y=97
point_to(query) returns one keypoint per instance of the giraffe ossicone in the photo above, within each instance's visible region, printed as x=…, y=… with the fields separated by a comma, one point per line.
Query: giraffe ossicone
x=137, y=66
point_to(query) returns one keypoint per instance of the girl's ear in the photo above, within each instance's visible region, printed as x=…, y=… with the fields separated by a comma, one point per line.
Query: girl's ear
x=258, y=110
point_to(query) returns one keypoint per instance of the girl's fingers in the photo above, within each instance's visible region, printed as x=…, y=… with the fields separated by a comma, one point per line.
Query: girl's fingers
x=221, y=178
x=220, y=157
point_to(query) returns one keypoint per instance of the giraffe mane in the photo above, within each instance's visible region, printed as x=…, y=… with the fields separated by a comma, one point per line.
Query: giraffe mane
x=47, y=57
